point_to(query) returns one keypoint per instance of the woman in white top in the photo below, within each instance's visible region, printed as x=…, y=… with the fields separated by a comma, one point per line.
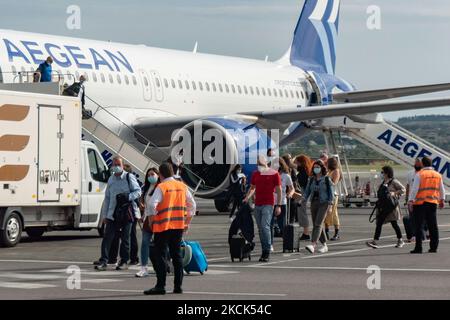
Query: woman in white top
x=151, y=182
x=287, y=190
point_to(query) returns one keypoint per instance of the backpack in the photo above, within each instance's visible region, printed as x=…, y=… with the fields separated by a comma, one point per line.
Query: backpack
x=73, y=90
x=124, y=213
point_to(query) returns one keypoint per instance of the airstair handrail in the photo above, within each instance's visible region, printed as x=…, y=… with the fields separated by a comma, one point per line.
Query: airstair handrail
x=148, y=141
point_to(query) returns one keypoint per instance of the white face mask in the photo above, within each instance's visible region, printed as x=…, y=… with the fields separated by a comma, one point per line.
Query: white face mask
x=261, y=168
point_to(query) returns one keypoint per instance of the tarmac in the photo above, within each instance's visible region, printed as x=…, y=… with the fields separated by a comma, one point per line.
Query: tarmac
x=47, y=268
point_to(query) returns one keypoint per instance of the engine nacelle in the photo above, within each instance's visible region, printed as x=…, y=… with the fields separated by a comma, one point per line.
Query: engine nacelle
x=212, y=147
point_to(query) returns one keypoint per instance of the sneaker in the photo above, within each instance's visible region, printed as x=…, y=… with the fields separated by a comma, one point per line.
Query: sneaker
x=323, y=249
x=400, y=243
x=415, y=251
x=310, y=248
x=336, y=237
x=101, y=267
x=97, y=263
x=271, y=249
x=372, y=244
x=122, y=266
x=142, y=274
x=305, y=237
x=432, y=250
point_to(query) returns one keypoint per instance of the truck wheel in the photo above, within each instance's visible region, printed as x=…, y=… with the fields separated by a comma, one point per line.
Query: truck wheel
x=12, y=233
x=35, y=233
x=222, y=205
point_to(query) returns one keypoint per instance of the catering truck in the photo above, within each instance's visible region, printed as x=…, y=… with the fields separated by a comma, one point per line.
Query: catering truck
x=50, y=179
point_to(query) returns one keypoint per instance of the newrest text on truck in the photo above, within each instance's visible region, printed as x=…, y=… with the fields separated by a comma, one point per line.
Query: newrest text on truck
x=49, y=178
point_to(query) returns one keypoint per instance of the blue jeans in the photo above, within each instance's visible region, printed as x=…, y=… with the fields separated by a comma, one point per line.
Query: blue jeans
x=263, y=215
x=145, y=247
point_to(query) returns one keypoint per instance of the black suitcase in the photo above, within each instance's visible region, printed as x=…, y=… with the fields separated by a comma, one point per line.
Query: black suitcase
x=240, y=248
x=290, y=232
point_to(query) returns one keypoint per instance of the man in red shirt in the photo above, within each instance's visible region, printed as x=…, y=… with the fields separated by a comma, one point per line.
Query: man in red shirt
x=264, y=182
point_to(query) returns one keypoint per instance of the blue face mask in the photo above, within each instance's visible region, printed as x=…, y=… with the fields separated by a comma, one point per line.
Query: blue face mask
x=117, y=169
x=317, y=170
x=152, y=179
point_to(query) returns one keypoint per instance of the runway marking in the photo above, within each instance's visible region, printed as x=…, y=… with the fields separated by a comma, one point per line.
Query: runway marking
x=46, y=261
x=338, y=268
x=26, y=276
x=195, y=292
x=21, y=285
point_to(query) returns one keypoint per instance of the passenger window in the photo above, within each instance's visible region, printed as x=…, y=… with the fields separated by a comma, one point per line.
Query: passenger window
x=220, y=87
x=257, y=90
x=145, y=81
x=207, y=86
x=186, y=83
x=275, y=94
x=296, y=94
x=134, y=80
x=166, y=84
x=251, y=91
x=127, y=80
x=245, y=90
x=239, y=89
x=94, y=76
x=180, y=84
x=214, y=87
x=111, y=80
x=286, y=94
x=119, y=79
x=269, y=92
x=158, y=83
x=233, y=88
x=301, y=92
x=200, y=85
x=173, y=83
x=13, y=69
x=102, y=77
x=99, y=172
x=263, y=91
x=227, y=89
x=77, y=76
x=194, y=86
x=280, y=92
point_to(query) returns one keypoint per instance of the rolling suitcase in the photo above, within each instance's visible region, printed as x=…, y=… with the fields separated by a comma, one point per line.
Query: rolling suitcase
x=290, y=243
x=198, y=262
x=240, y=248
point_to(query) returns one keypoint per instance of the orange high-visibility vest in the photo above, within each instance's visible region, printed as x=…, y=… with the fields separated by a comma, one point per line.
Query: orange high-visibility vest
x=430, y=186
x=171, y=211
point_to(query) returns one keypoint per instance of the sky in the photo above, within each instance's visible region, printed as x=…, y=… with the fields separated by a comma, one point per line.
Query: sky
x=411, y=48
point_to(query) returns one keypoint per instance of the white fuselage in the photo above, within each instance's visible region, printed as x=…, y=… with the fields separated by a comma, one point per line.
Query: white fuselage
x=136, y=81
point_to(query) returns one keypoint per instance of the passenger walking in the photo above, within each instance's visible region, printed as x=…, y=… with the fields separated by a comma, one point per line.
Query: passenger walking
x=238, y=181
x=170, y=208
x=293, y=201
x=304, y=169
x=287, y=191
x=426, y=195
x=134, y=247
x=77, y=89
x=45, y=69
x=321, y=192
x=151, y=182
x=387, y=208
x=118, y=210
x=332, y=218
x=263, y=183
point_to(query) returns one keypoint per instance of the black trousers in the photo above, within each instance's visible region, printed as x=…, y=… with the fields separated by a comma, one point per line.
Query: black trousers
x=379, y=227
x=162, y=240
x=426, y=212
x=111, y=231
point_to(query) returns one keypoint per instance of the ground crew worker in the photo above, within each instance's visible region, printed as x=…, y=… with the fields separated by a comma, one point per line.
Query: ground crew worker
x=171, y=209
x=426, y=194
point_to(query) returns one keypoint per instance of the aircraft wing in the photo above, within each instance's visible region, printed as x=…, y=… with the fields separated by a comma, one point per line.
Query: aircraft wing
x=346, y=109
x=160, y=130
x=382, y=94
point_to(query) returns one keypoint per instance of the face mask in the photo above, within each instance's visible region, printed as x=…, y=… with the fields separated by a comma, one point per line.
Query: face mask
x=418, y=168
x=239, y=172
x=116, y=169
x=152, y=179
x=261, y=168
x=317, y=170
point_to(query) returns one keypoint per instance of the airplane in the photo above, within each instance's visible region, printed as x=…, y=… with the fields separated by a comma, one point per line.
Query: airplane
x=158, y=91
